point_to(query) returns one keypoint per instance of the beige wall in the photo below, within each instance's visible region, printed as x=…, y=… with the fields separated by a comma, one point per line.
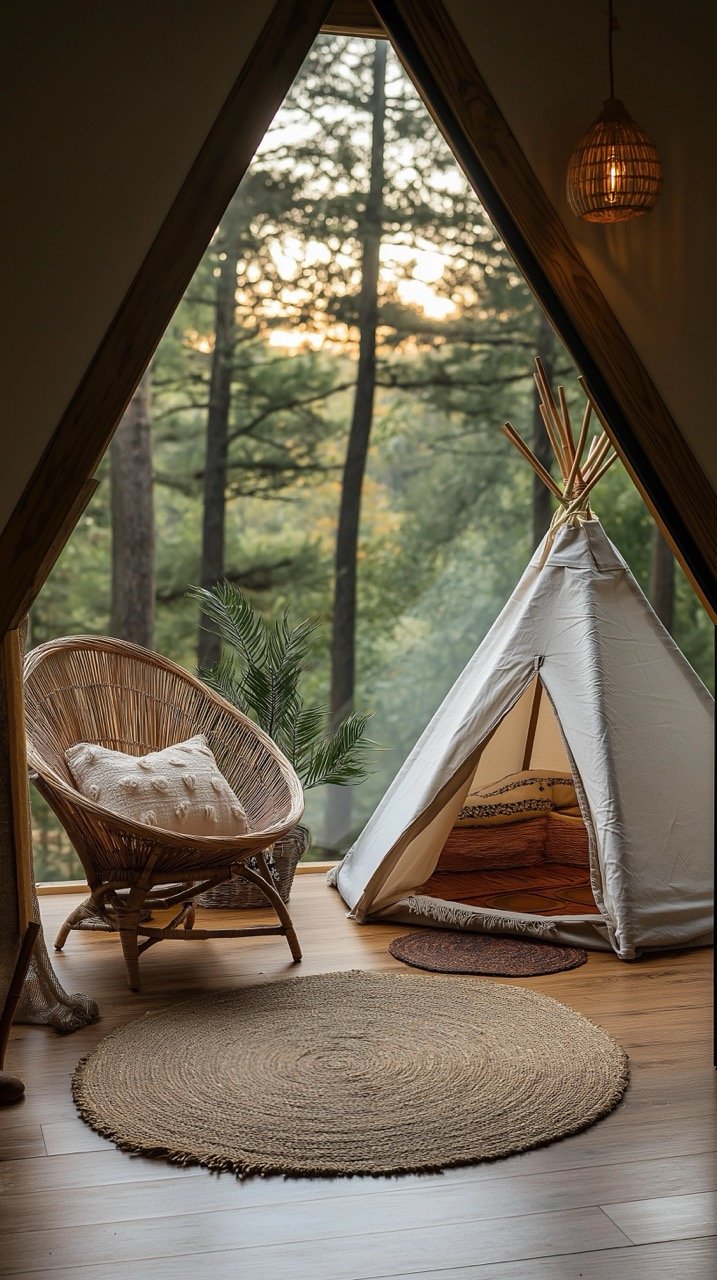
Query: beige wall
x=105, y=105
x=108, y=101
x=546, y=65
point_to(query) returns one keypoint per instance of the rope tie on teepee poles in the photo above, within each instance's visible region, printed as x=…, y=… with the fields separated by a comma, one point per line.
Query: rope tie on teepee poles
x=578, y=476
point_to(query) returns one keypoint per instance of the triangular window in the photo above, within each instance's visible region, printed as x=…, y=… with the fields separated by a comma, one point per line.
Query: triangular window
x=323, y=414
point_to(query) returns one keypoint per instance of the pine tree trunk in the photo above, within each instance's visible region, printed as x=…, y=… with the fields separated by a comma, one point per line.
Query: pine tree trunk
x=542, y=508
x=662, y=580
x=217, y=440
x=132, y=511
x=343, y=641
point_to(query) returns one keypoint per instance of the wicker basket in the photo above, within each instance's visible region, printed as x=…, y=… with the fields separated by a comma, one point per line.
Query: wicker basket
x=283, y=860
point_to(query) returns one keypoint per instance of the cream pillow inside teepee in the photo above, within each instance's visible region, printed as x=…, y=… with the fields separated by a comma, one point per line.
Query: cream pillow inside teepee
x=178, y=789
x=517, y=798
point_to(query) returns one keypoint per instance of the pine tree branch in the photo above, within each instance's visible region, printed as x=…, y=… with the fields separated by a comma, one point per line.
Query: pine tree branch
x=287, y=406
x=258, y=577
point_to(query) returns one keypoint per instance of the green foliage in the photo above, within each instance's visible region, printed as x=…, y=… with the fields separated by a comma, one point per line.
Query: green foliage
x=259, y=671
x=54, y=856
x=340, y=759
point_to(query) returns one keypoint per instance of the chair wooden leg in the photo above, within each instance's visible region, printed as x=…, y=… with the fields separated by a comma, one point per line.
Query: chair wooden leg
x=64, y=930
x=129, y=915
x=290, y=931
x=89, y=909
x=264, y=882
x=130, y=948
x=292, y=939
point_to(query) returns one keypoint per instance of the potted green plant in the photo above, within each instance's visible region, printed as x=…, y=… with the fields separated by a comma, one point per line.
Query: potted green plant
x=259, y=672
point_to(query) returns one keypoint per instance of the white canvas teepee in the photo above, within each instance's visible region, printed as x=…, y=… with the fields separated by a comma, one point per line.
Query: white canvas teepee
x=577, y=674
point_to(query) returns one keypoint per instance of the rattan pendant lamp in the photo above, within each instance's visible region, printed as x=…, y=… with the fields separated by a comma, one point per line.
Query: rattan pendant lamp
x=615, y=171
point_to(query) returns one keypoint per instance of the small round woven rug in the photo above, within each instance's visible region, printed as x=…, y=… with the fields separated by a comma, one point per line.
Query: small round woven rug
x=350, y=1073
x=450, y=951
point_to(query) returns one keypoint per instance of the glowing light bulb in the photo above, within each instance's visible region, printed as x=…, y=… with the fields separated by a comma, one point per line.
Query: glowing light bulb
x=615, y=171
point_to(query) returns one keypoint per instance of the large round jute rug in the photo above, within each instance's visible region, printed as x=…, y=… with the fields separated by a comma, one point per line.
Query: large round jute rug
x=351, y=1073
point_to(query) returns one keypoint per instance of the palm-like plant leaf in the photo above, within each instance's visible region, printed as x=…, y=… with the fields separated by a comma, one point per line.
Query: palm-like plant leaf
x=286, y=651
x=223, y=680
x=290, y=645
x=238, y=623
x=341, y=759
x=259, y=672
x=306, y=727
x=256, y=687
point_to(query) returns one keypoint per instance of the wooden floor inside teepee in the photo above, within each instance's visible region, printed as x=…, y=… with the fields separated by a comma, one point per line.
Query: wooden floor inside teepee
x=548, y=889
x=632, y=1198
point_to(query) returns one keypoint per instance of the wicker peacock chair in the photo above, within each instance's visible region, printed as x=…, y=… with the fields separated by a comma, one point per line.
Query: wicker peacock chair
x=118, y=695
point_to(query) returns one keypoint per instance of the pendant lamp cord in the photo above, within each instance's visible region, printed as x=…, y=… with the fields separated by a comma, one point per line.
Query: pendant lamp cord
x=612, y=25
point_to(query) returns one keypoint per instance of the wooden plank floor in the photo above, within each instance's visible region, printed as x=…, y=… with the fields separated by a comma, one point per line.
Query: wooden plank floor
x=631, y=1198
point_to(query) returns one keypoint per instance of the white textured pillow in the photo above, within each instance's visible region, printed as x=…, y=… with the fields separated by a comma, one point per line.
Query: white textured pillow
x=179, y=789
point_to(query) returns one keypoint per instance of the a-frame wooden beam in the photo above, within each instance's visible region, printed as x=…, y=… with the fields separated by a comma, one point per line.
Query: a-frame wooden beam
x=455, y=93
x=354, y=17
x=86, y=427
x=646, y=436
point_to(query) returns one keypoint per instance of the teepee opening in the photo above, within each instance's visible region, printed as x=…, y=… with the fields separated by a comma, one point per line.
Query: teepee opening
x=520, y=842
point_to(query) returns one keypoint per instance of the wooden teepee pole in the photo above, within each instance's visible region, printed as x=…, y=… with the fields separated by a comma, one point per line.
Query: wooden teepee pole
x=598, y=475
x=567, y=424
x=555, y=442
x=511, y=434
x=576, y=471
x=551, y=419
x=598, y=456
x=578, y=477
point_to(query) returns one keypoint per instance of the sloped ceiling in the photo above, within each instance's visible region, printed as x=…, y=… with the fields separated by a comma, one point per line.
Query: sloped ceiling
x=105, y=107
x=108, y=104
x=546, y=65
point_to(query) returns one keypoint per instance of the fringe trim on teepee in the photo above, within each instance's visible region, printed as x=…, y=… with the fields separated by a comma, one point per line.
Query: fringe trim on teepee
x=454, y=916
